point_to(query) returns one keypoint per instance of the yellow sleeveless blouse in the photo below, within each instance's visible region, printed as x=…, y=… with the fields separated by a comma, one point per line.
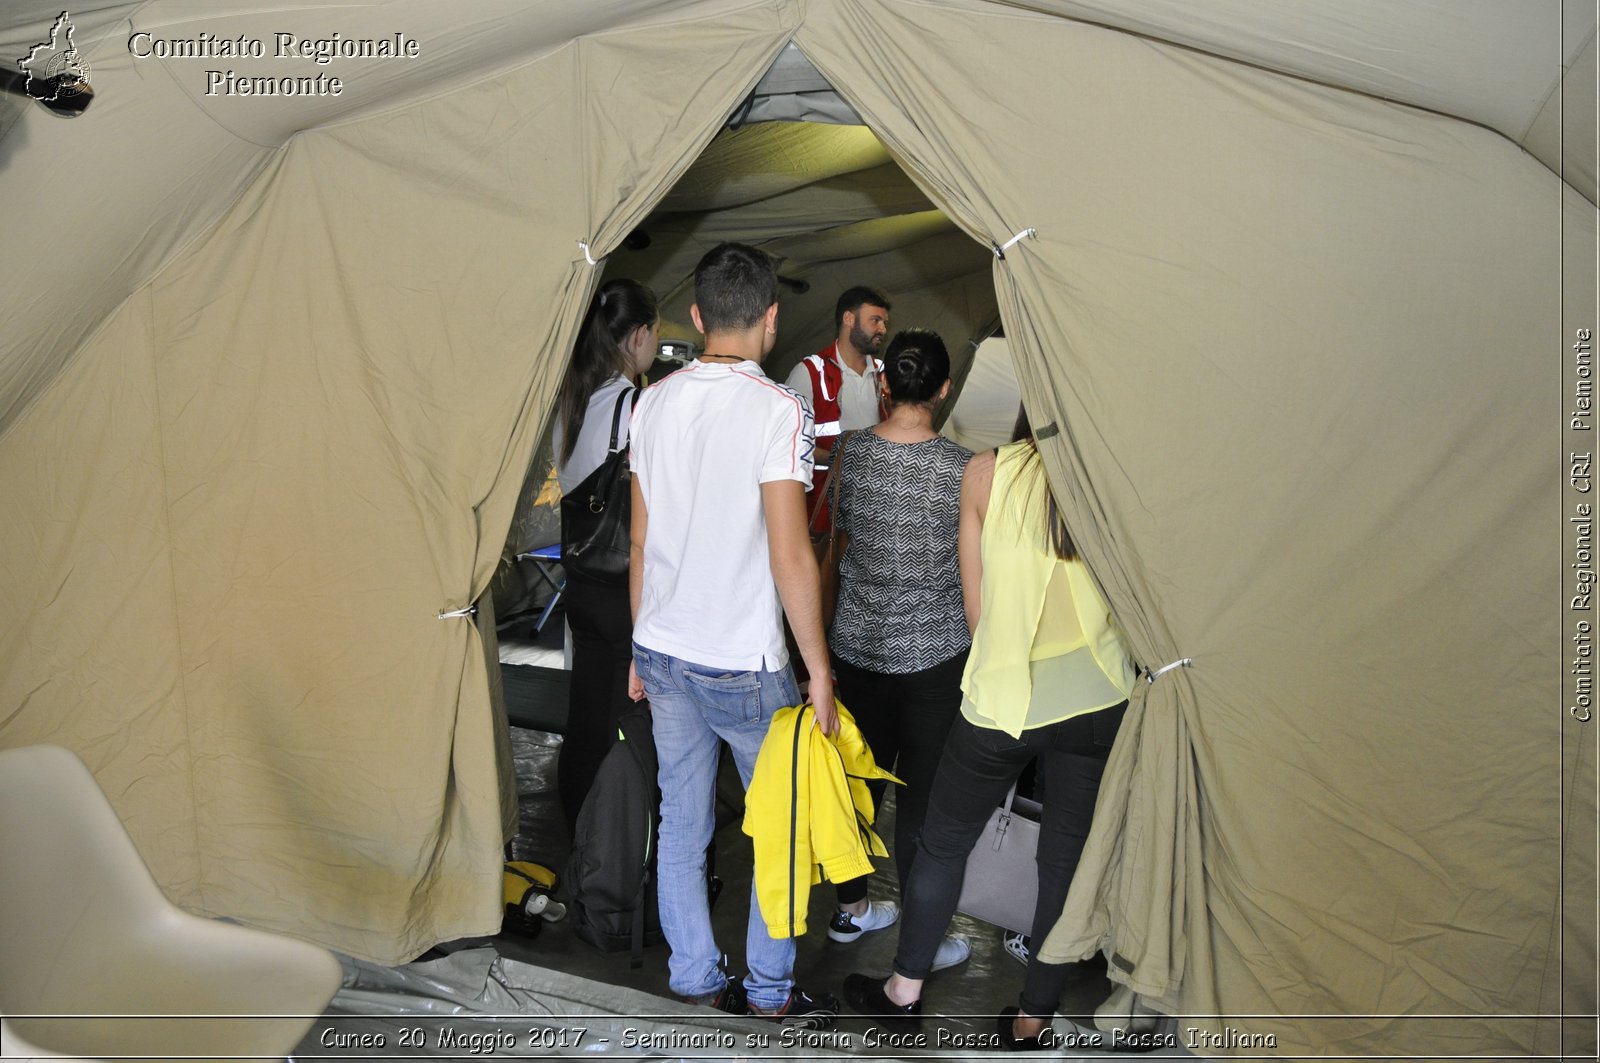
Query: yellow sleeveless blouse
x=1046, y=648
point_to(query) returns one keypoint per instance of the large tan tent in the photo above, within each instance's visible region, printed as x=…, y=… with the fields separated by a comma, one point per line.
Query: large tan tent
x=1293, y=291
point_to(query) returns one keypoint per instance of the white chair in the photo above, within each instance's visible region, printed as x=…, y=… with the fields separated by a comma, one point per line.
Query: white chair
x=96, y=962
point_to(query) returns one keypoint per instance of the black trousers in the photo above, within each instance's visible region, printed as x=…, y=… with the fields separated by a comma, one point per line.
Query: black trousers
x=904, y=719
x=978, y=767
x=602, y=646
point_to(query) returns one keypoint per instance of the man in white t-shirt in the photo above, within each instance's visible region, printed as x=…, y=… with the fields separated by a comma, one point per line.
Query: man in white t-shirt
x=721, y=461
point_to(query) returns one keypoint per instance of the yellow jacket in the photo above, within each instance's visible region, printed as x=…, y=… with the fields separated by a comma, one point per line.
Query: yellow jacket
x=809, y=813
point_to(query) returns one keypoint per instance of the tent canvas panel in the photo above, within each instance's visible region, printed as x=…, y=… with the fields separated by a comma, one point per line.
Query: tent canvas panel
x=1565, y=127
x=110, y=253
x=84, y=557
x=1485, y=61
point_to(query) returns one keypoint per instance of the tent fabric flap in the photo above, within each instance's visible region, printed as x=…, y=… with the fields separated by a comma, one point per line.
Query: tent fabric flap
x=1276, y=466
x=343, y=405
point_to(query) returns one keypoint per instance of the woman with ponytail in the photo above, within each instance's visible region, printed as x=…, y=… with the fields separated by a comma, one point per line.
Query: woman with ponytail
x=899, y=637
x=616, y=344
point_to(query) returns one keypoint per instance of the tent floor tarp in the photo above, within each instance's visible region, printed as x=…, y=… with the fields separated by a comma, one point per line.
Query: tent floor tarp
x=553, y=995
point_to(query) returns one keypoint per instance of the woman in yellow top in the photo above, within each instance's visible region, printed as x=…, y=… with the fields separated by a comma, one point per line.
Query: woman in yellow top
x=1048, y=677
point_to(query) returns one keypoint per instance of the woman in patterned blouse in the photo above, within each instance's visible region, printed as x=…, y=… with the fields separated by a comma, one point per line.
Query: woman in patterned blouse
x=899, y=637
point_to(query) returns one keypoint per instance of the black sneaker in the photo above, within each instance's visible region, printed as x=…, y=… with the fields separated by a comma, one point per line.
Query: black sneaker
x=1016, y=945
x=802, y=1011
x=865, y=994
x=730, y=998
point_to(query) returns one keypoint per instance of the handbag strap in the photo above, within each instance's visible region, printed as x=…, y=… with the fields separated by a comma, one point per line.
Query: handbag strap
x=616, y=416
x=1011, y=795
x=830, y=486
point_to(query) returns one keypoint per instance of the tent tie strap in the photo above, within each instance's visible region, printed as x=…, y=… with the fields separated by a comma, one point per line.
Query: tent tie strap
x=1000, y=249
x=1182, y=662
x=587, y=257
x=453, y=614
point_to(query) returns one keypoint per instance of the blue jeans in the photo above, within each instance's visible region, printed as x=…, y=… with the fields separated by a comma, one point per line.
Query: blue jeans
x=692, y=706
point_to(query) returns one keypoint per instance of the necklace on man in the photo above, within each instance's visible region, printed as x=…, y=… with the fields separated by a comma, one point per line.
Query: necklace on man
x=724, y=357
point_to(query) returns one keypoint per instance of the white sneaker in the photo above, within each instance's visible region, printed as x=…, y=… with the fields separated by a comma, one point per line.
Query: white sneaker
x=1016, y=945
x=954, y=949
x=847, y=928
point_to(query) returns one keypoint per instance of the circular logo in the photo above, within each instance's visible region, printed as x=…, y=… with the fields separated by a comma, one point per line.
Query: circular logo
x=72, y=65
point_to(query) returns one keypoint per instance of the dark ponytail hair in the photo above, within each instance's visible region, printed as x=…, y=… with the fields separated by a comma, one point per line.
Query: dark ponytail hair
x=619, y=307
x=1061, y=543
x=915, y=366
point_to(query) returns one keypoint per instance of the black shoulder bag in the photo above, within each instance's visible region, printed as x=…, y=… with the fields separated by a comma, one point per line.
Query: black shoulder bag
x=595, y=515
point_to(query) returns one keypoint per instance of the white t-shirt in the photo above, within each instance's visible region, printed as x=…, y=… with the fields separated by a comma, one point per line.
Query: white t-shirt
x=594, y=438
x=704, y=441
x=858, y=392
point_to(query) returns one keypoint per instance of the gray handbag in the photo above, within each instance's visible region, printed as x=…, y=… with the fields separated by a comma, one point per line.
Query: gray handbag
x=1002, y=880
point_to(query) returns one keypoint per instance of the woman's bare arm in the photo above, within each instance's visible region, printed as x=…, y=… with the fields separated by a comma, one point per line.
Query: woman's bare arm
x=975, y=485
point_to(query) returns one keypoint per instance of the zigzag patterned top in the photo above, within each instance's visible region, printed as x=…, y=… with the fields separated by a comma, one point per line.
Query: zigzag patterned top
x=899, y=606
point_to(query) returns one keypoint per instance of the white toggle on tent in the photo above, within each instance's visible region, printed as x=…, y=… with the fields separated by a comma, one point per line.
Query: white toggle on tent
x=1292, y=326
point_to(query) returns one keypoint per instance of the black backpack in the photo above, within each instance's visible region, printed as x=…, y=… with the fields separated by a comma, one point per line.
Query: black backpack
x=611, y=874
